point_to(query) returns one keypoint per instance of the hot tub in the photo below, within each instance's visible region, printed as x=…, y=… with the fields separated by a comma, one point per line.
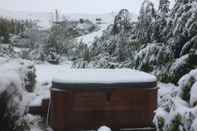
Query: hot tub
x=89, y=98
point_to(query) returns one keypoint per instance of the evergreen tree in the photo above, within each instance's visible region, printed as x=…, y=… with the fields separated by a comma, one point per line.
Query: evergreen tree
x=121, y=22
x=182, y=25
x=145, y=20
x=12, y=26
x=164, y=7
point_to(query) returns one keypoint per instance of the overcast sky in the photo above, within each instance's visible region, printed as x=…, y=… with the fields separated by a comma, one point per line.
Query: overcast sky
x=72, y=6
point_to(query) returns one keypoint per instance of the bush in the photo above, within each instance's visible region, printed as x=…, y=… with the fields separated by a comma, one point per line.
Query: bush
x=176, y=124
x=161, y=122
x=30, y=78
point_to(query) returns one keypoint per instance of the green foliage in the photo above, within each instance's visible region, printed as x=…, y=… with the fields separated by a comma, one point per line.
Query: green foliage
x=147, y=67
x=176, y=123
x=161, y=122
x=166, y=78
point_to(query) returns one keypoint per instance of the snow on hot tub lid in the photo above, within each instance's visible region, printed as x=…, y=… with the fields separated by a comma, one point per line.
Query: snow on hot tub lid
x=103, y=77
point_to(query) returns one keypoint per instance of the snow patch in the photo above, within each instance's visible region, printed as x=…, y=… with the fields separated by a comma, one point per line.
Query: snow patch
x=103, y=76
x=104, y=128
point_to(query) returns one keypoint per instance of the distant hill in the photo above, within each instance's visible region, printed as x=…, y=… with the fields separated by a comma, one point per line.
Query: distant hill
x=44, y=18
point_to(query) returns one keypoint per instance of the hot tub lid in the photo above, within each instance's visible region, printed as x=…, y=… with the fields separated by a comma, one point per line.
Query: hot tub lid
x=103, y=78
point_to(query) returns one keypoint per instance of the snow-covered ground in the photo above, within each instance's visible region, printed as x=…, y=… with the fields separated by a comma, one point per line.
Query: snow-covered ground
x=44, y=73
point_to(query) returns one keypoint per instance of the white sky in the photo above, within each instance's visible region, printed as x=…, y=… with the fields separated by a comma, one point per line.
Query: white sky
x=72, y=6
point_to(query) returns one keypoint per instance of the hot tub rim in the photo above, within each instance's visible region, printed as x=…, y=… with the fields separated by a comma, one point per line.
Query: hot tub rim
x=128, y=85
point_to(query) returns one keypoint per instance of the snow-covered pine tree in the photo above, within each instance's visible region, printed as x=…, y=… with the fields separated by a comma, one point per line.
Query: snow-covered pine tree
x=164, y=7
x=121, y=22
x=182, y=26
x=145, y=20
x=161, y=21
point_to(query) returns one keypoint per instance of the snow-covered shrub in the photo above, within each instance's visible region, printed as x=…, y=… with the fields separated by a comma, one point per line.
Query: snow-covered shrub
x=60, y=43
x=186, y=89
x=194, y=125
x=14, y=80
x=155, y=58
x=30, y=78
x=151, y=56
x=32, y=123
x=53, y=57
x=182, y=66
x=193, y=96
x=176, y=124
x=189, y=46
x=7, y=51
x=104, y=61
x=181, y=27
x=177, y=105
x=80, y=63
x=187, y=85
x=26, y=70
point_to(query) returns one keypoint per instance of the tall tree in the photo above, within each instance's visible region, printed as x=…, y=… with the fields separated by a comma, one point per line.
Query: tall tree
x=146, y=18
x=121, y=22
x=164, y=7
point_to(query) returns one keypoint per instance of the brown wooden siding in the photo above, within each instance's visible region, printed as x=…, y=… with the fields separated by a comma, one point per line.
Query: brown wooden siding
x=90, y=109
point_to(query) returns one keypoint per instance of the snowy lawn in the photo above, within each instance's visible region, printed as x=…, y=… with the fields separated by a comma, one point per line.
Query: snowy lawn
x=44, y=73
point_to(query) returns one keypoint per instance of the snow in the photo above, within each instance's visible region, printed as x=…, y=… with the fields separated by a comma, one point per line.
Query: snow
x=35, y=123
x=12, y=81
x=191, y=76
x=44, y=73
x=171, y=103
x=166, y=89
x=36, y=101
x=179, y=62
x=12, y=72
x=7, y=78
x=186, y=77
x=193, y=96
x=103, y=76
x=194, y=125
x=104, y=128
x=89, y=38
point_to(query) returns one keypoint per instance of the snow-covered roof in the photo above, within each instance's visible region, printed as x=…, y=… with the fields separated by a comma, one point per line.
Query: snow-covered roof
x=103, y=76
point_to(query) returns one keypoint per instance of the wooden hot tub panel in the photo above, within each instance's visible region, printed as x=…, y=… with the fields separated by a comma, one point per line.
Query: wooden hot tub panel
x=89, y=109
